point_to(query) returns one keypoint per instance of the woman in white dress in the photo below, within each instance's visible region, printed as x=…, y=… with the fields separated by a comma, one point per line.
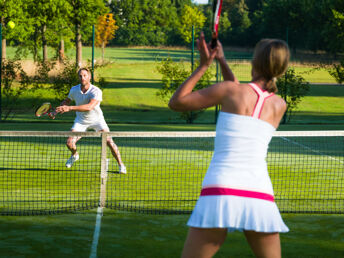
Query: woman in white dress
x=237, y=192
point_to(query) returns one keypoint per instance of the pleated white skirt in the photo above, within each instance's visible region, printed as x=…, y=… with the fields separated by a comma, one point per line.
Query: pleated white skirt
x=237, y=213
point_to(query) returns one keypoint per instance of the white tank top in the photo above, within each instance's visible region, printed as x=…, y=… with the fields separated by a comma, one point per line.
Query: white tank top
x=240, y=150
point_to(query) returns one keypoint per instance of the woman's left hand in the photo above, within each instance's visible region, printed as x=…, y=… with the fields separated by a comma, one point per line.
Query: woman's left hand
x=207, y=54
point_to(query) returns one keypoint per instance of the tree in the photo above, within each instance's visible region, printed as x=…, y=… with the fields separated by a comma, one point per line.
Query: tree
x=337, y=72
x=105, y=30
x=292, y=88
x=10, y=10
x=174, y=74
x=239, y=18
x=145, y=22
x=179, y=4
x=334, y=29
x=191, y=16
x=11, y=71
x=60, y=33
x=44, y=13
x=84, y=13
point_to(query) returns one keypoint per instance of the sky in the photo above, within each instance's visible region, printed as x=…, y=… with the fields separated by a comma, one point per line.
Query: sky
x=200, y=1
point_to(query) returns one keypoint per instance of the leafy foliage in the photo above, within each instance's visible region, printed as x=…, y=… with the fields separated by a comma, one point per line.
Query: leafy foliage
x=83, y=14
x=292, y=88
x=191, y=16
x=145, y=22
x=62, y=82
x=335, y=30
x=105, y=30
x=174, y=74
x=305, y=24
x=337, y=72
x=11, y=71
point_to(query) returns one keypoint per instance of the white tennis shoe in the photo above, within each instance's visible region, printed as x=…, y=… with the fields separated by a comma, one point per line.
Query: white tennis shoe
x=122, y=169
x=71, y=160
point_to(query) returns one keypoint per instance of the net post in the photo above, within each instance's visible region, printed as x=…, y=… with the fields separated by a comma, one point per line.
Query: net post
x=103, y=172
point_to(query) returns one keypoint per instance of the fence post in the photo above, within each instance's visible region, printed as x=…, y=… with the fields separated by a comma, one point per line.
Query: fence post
x=0, y=70
x=192, y=48
x=93, y=31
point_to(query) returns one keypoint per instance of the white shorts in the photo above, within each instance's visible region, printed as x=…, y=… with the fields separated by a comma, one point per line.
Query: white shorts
x=97, y=126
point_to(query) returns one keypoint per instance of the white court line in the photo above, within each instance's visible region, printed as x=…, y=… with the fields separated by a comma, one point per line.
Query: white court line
x=312, y=150
x=96, y=233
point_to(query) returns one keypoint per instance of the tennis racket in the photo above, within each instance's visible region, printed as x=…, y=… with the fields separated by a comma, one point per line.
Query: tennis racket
x=217, y=6
x=45, y=109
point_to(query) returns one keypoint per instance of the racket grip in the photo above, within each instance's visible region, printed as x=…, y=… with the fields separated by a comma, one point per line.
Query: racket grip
x=52, y=115
x=213, y=43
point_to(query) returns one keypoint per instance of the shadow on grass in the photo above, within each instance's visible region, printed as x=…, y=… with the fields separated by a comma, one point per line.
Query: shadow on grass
x=152, y=55
x=158, y=236
x=135, y=83
x=31, y=169
x=176, y=55
x=308, y=117
x=326, y=91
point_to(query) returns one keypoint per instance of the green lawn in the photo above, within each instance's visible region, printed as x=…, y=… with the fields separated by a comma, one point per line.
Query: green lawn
x=130, y=235
x=163, y=169
x=165, y=173
x=130, y=95
x=130, y=104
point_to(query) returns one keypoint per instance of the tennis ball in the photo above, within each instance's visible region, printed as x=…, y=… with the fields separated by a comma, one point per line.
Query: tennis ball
x=11, y=24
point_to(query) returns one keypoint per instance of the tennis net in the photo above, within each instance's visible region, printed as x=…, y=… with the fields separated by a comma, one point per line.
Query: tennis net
x=165, y=171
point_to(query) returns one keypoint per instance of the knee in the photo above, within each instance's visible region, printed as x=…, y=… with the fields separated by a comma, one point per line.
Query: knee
x=111, y=143
x=70, y=142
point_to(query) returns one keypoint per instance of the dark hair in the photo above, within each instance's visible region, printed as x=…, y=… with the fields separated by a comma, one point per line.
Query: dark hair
x=83, y=69
x=270, y=61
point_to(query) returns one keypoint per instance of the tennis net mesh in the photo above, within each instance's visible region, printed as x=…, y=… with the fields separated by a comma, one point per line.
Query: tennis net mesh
x=165, y=171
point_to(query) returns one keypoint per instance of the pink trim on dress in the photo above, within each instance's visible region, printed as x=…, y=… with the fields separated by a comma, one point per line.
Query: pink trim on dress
x=262, y=96
x=236, y=192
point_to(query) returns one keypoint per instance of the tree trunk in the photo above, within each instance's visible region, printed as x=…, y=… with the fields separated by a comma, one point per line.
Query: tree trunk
x=3, y=48
x=35, y=47
x=78, y=46
x=61, y=51
x=44, y=42
x=103, y=50
x=3, y=42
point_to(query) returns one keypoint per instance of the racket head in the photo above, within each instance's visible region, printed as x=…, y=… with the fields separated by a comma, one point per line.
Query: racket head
x=43, y=109
x=217, y=6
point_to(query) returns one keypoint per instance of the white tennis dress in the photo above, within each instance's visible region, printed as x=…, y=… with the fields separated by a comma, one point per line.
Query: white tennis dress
x=237, y=192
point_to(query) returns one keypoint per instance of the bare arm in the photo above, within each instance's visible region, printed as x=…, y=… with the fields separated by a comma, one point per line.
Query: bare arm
x=186, y=100
x=82, y=108
x=227, y=73
x=53, y=114
x=65, y=102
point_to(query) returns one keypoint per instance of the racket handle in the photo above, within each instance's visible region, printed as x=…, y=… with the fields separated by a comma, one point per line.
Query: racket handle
x=52, y=115
x=213, y=43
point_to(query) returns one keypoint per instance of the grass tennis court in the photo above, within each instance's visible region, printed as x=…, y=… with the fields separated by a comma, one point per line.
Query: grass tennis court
x=142, y=235
x=125, y=234
x=165, y=172
x=137, y=234
x=133, y=81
